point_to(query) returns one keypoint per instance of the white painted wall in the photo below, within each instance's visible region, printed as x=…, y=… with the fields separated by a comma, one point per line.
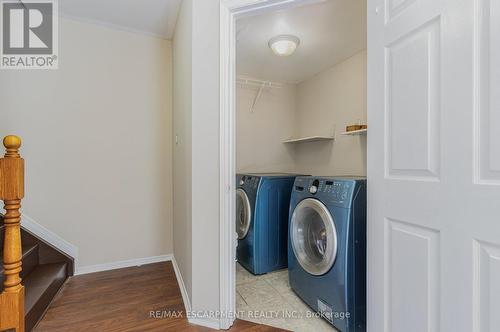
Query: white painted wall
x=333, y=98
x=205, y=176
x=196, y=157
x=259, y=134
x=97, y=142
x=182, y=123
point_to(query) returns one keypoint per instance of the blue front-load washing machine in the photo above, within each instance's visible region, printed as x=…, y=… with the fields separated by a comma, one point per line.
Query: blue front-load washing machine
x=262, y=205
x=327, y=248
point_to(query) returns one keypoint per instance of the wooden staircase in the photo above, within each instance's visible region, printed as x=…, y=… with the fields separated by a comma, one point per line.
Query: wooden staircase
x=32, y=271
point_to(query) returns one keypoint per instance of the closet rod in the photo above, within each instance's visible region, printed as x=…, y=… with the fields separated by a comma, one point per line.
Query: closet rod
x=258, y=83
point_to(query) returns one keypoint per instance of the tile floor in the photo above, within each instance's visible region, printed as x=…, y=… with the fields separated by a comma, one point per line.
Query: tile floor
x=268, y=299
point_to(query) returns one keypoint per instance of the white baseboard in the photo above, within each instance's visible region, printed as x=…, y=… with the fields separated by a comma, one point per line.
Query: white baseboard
x=182, y=286
x=212, y=323
x=122, y=264
x=51, y=238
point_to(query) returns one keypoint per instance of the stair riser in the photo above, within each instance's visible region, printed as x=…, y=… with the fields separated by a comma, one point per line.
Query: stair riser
x=47, y=253
x=30, y=261
x=35, y=314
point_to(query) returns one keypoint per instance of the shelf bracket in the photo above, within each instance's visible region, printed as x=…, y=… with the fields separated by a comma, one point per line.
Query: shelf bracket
x=257, y=96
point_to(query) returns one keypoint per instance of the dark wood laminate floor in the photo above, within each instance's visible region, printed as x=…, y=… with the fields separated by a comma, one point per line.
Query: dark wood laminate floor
x=121, y=300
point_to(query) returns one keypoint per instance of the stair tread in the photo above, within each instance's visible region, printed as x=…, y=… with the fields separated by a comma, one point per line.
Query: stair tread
x=40, y=280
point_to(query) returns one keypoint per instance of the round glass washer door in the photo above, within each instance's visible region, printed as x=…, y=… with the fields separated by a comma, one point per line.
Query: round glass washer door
x=313, y=236
x=243, y=213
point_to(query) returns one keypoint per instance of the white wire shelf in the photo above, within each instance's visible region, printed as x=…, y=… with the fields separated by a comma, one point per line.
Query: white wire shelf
x=309, y=139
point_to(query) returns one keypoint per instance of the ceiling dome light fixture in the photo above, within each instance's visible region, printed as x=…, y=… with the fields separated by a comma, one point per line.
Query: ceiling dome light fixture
x=284, y=45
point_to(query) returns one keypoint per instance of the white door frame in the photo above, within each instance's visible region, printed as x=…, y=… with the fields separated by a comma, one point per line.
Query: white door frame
x=230, y=10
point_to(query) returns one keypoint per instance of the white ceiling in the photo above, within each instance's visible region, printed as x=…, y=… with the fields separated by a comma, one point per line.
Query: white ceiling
x=329, y=33
x=152, y=17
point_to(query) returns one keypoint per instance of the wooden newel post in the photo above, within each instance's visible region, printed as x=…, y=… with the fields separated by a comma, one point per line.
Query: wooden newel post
x=11, y=192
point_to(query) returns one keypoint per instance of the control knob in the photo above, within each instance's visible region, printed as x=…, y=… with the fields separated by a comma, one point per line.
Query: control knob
x=313, y=189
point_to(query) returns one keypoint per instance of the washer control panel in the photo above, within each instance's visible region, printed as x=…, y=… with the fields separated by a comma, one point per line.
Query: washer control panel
x=337, y=190
x=330, y=190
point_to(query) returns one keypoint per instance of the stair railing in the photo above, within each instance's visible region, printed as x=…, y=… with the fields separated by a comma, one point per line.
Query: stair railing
x=11, y=192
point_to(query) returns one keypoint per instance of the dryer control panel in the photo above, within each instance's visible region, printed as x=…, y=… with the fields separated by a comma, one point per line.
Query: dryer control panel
x=249, y=181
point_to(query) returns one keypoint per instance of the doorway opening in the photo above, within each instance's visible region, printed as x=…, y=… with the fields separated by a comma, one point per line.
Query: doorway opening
x=293, y=113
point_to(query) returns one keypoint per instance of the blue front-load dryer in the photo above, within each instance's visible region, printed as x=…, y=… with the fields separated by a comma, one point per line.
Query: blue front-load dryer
x=262, y=205
x=327, y=248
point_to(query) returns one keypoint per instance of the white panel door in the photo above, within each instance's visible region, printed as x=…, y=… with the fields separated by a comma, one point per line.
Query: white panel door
x=434, y=165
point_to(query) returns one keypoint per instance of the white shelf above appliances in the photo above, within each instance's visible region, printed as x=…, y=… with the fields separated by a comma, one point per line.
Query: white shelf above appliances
x=309, y=139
